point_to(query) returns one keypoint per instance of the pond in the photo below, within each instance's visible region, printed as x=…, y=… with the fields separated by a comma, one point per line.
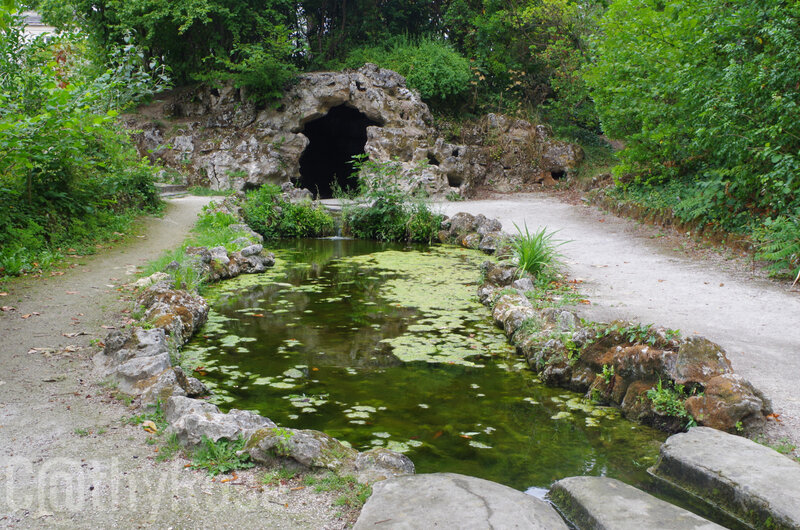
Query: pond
x=383, y=345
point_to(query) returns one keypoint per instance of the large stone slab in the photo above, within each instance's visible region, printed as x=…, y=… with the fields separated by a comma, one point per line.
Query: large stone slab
x=449, y=500
x=746, y=479
x=601, y=503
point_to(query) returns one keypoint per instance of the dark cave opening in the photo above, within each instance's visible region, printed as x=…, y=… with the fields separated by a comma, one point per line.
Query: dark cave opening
x=333, y=141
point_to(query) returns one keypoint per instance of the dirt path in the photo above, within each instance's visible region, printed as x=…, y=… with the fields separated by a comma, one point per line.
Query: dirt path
x=66, y=458
x=641, y=273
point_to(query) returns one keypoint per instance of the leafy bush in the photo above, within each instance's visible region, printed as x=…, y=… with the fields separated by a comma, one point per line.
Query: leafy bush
x=431, y=66
x=69, y=176
x=536, y=253
x=385, y=210
x=705, y=92
x=271, y=216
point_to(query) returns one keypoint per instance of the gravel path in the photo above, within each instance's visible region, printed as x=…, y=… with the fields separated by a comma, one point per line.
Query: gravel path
x=643, y=273
x=66, y=458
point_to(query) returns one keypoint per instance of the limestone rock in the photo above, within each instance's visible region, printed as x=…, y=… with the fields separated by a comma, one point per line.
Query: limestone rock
x=449, y=500
x=125, y=344
x=223, y=141
x=309, y=448
x=472, y=240
x=179, y=313
x=498, y=274
x=133, y=374
x=150, y=280
x=491, y=241
x=523, y=284
x=729, y=401
x=191, y=419
x=162, y=387
x=750, y=481
x=699, y=360
x=603, y=503
x=380, y=464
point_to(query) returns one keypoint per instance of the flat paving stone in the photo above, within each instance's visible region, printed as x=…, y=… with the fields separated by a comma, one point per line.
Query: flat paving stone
x=748, y=480
x=449, y=500
x=601, y=503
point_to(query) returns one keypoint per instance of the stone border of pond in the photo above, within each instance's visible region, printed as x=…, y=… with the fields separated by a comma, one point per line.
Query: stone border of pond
x=140, y=360
x=651, y=374
x=616, y=364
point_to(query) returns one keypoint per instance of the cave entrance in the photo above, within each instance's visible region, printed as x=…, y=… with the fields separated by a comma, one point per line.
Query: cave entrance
x=333, y=141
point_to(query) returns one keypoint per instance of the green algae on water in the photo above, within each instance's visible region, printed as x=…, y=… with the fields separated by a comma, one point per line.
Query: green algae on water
x=384, y=346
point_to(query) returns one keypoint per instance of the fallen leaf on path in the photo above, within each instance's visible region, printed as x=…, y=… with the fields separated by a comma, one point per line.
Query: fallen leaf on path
x=722, y=285
x=29, y=315
x=71, y=292
x=150, y=426
x=108, y=327
x=71, y=349
x=3, y=294
x=39, y=350
x=57, y=273
x=774, y=417
x=584, y=302
x=298, y=488
x=73, y=335
x=8, y=308
x=660, y=281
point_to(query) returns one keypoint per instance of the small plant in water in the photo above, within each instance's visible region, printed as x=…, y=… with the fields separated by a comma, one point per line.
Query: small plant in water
x=221, y=456
x=536, y=252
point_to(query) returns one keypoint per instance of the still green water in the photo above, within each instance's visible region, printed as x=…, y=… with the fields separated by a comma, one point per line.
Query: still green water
x=385, y=346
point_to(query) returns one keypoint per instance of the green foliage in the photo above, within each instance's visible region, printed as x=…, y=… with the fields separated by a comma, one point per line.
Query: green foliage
x=268, y=214
x=246, y=41
x=779, y=240
x=430, y=65
x=668, y=400
x=705, y=94
x=68, y=175
x=221, y=456
x=536, y=253
x=607, y=374
x=385, y=210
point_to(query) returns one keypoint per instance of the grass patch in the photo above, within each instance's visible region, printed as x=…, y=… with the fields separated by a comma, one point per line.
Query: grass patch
x=154, y=413
x=352, y=494
x=279, y=476
x=211, y=230
x=221, y=456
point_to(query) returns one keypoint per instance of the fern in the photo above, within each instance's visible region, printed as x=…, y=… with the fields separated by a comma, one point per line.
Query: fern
x=779, y=244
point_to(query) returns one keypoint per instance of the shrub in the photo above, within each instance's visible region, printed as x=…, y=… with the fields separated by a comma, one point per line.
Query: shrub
x=268, y=214
x=385, y=210
x=69, y=175
x=429, y=65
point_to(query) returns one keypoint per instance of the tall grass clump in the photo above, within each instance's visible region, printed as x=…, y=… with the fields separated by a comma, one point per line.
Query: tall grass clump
x=536, y=253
